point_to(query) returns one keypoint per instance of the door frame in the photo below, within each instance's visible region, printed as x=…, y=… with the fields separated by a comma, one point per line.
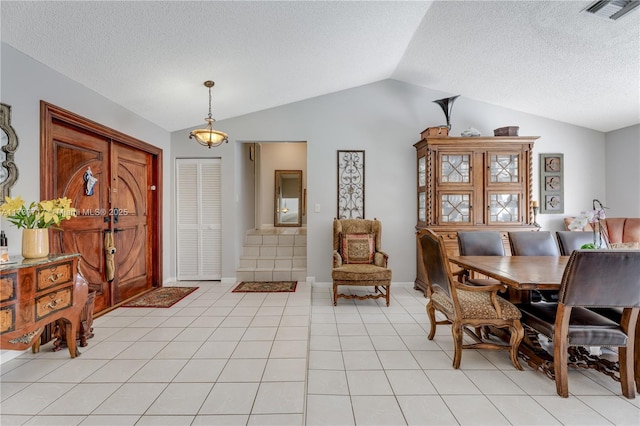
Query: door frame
x=49, y=113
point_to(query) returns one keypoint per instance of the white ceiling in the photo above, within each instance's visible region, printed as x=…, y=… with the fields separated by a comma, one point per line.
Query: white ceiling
x=540, y=57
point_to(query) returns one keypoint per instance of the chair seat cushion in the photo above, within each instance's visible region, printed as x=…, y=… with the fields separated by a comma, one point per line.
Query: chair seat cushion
x=475, y=305
x=357, y=272
x=585, y=326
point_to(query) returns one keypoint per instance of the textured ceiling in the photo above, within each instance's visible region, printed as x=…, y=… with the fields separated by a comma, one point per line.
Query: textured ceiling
x=540, y=57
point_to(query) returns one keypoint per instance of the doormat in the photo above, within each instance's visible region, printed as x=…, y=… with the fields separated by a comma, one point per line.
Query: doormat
x=265, y=287
x=162, y=297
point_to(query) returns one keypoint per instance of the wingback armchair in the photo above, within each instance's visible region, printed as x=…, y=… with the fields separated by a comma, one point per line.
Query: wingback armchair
x=358, y=259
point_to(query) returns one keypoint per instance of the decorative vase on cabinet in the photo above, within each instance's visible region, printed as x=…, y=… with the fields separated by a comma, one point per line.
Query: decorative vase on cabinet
x=35, y=243
x=472, y=183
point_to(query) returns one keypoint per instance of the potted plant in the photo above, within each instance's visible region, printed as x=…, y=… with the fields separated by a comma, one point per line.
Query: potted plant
x=35, y=219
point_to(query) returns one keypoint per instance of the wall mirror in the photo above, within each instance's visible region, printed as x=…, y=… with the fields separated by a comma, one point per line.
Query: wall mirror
x=288, y=198
x=8, y=145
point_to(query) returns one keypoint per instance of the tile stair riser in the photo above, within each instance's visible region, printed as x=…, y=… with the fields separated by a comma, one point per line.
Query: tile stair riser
x=273, y=255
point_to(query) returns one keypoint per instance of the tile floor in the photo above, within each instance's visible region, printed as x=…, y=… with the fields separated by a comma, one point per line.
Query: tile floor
x=222, y=358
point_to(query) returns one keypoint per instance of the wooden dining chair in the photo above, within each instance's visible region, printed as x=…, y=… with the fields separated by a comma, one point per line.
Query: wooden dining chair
x=466, y=306
x=592, y=278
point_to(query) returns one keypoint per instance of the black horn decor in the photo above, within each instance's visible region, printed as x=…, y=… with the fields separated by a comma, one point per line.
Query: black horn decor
x=447, y=105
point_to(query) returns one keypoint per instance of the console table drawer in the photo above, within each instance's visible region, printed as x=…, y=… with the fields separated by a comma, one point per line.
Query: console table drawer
x=8, y=285
x=53, y=302
x=53, y=275
x=7, y=319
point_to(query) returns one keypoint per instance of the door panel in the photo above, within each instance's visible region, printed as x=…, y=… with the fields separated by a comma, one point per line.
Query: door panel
x=74, y=152
x=129, y=217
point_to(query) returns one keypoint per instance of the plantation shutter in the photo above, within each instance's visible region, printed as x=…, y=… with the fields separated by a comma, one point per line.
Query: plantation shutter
x=199, y=212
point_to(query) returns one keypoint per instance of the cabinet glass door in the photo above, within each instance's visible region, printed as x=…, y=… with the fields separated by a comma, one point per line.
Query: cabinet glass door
x=422, y=171
x=455, y=168
x=504, y=207
x=503, y=168
x=455, y=207
x=422, y=206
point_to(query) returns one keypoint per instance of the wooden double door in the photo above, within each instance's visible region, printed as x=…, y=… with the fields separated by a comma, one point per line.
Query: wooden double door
x=114, y=182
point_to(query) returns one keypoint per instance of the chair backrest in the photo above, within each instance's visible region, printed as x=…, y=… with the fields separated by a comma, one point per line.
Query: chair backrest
x=480, y=243
x=436, y=262
x=573, y=240
x=541, y=243
x=602, y=278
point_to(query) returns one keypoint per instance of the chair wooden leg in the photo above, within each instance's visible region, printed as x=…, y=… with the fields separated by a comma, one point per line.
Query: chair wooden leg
x=335, y=294
x=625, y=363
x=517, y=334
x=387, y=288
x=456, y=330
x=431, y=311
x=636, y=356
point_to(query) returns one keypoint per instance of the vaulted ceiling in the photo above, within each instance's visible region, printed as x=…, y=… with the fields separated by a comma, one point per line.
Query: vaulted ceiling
x=540, y=57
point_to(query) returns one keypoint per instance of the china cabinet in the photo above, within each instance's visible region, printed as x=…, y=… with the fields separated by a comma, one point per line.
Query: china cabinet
x=472, y=183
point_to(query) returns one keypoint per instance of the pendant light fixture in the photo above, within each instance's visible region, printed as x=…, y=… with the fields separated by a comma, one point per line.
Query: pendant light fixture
x=209, y=136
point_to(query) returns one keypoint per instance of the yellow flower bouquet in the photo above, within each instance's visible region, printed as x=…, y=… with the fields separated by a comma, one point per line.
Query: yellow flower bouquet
x=37, y=215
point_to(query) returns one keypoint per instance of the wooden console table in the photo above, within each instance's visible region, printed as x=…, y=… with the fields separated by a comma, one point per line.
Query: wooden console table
x=36, y=292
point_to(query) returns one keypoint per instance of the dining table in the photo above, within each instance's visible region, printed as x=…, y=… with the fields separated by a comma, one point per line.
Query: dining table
x=520, y=273
x=523, y=274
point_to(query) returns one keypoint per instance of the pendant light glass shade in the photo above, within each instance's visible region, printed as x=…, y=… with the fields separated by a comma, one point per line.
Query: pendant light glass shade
x=209, y=136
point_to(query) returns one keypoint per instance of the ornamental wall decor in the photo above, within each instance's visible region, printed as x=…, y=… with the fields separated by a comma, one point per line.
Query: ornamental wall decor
x=350, y=185
x=551, y=183
x=8, y=147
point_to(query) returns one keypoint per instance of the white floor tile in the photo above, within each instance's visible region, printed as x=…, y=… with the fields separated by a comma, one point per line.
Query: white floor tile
x=158, y=371
x=34, y=398
x=243, y=370
x=180, y=399
x=329, y=410
x=377, y=410
x=201, y=370
x=368, y=382
x=474, y=410
x=285, y=370
x=279, y=397
x=131, y=398
x=426, y=411
x=327, y=382
x=230, y=398
x=410, y=382
x=82, y=399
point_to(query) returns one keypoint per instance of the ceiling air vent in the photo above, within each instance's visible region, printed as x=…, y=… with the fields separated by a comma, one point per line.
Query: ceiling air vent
x=612, y=9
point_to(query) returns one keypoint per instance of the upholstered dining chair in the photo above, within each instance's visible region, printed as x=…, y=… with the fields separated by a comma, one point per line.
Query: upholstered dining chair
x=592, y=278
x=569, y=241
x=358, y=259
x=540, y=243
x=466, y=306
x=480, y=243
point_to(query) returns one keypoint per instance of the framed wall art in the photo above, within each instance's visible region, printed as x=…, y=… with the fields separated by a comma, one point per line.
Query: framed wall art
x=551, y=183
x=350, y=185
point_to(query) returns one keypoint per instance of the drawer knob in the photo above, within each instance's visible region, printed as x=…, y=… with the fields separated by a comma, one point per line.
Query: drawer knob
x=54, y=304
x=55, y=277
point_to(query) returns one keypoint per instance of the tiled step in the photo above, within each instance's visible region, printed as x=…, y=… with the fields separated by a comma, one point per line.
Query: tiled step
x=277, y=254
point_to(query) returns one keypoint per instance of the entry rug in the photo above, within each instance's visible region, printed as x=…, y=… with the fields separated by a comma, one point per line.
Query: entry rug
x=265, y=287
x=162, y=297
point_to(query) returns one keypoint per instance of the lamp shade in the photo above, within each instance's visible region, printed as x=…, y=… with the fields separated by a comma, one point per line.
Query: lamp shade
x=209, y=136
